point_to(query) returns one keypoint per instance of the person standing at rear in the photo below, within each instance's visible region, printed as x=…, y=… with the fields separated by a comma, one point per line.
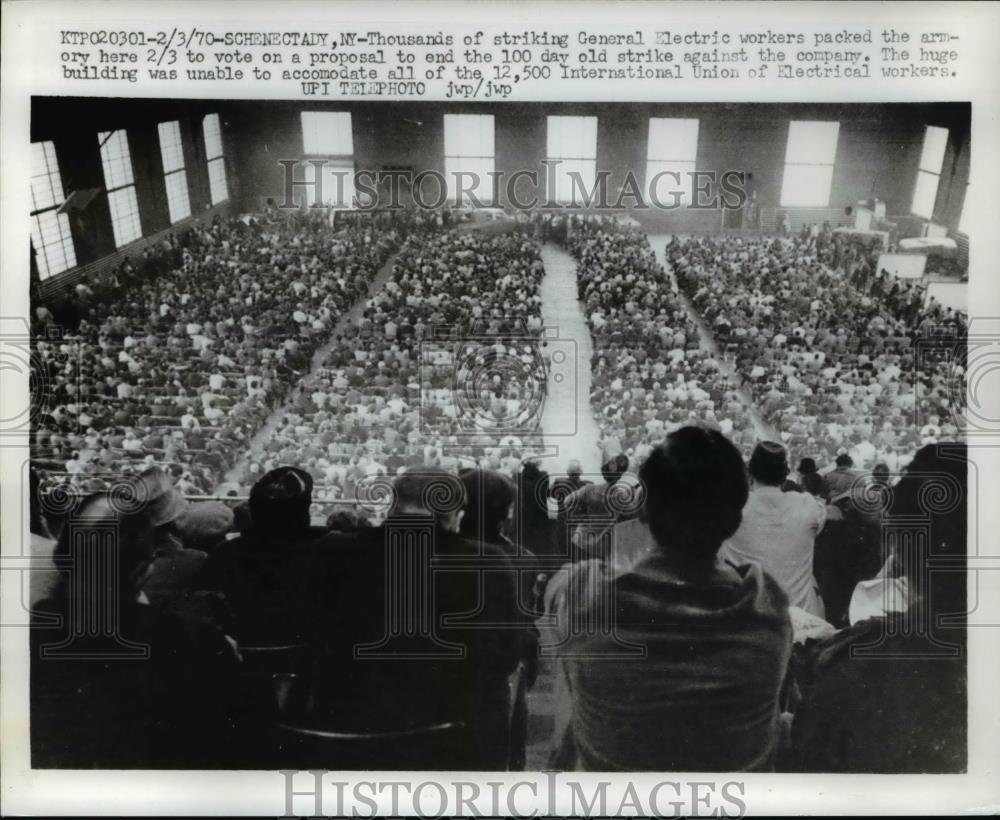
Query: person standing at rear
x=779, y=529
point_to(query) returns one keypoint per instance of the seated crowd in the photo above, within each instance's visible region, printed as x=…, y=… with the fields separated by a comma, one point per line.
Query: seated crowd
x=179, y=363
x=393, y=390
x=834, y=369
x=651, y=373
x=695, y=585
x=274, y=642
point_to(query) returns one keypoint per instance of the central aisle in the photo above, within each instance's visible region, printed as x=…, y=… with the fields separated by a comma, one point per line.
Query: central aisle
x=568, y=424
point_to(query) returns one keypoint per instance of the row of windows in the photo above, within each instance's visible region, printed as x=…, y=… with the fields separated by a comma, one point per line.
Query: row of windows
x=671, y=154
x=50, y=231
x=469, y=139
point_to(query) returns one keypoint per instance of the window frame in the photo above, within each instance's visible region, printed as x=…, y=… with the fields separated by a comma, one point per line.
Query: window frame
x=457, y=162
x=174, y=174
x=928, y=191
x=119, y=186
x=337, y=155
x=668, y=163
x=215, y=161
x=801, y=165
x=48, y=263
x=582, y=162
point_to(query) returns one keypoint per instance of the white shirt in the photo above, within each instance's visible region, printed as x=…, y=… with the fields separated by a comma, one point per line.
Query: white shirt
x=778, y=532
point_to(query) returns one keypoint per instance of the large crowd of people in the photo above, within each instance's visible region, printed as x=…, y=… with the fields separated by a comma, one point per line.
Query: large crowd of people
x=651, y=370
x=405, y=630
x=179, y=360
x=445, y=367
x=835, y=369
x=411, y=642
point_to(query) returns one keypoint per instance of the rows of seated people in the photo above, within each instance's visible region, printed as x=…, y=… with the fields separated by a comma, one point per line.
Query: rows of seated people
x=180, y=367
x=858, y=259
x=651, y=372
x=832, y=368
x=689, y=633
x=443, y=360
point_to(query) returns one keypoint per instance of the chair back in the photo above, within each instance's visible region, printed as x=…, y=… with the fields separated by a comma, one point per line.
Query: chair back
x=302, y=744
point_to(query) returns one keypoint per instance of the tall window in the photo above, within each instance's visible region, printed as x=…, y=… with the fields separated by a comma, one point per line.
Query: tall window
x=469, y=155
x=573, y=142
x=218, y=189
x=929, y=171
x=174, y=175
x=809, y=158
x=329, y=136
x=120, y=185
x=50, y=234
x=671, y=153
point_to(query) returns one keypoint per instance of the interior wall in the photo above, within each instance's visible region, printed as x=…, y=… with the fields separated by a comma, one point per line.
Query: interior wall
x=877, y=154
x=73, y=125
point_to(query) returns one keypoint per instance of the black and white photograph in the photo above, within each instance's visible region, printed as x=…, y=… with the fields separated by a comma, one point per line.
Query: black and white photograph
x=665, y=434
x=398, y=427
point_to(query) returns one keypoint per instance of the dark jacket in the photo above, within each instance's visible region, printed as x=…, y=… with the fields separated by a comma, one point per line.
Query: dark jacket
x=161, y=694
x=265, y=583
x=884, y=703
x=412, y=626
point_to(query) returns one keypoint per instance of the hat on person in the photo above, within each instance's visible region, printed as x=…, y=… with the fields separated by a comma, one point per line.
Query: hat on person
x=150, y=496
x=807, y=465
x=203, y=524
x=94, y=485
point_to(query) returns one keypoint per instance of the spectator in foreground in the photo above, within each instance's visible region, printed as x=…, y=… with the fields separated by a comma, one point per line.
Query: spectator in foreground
x=779, y=529
x=840, y=479
x=142, y=688
x=890, y=695
x=589, y=514
x=263, y=573
x=717, y=638
x=369, y=675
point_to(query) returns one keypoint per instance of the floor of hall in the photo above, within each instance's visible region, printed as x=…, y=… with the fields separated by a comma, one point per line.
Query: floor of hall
x=570, y=431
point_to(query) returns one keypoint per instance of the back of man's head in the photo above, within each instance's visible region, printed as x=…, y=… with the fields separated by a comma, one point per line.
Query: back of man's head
x=768, y=463
x=934, y=491
x=425, y=490
x=695, y=487
x=614, y=468
x=280, y=501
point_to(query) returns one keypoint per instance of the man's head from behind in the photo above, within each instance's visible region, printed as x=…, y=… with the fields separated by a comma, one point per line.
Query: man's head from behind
x=768, y=464
x=280, y=501
x=430, y=491
x=695, y=488
x=614, y=468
